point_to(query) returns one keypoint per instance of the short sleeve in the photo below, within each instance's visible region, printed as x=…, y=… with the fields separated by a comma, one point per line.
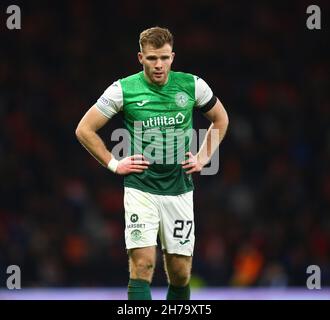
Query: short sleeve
x=111, y=101
x=205, y=99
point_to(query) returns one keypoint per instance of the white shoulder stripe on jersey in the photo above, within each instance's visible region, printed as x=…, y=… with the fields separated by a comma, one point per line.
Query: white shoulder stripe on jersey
x=111, y=101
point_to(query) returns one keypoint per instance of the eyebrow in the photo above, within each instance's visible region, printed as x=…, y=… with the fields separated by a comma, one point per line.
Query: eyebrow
x=164, y=56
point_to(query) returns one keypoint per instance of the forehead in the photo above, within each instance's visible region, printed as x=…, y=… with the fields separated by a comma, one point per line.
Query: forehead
x=149, y=50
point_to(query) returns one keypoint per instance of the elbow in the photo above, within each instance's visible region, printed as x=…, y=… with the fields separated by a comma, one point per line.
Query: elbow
x=79, y=132
x=226, y=121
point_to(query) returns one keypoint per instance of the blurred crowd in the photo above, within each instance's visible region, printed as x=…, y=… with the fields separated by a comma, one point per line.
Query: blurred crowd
x=261, y=221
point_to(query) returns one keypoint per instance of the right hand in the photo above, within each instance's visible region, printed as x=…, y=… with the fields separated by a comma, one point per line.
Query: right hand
x=133, y=164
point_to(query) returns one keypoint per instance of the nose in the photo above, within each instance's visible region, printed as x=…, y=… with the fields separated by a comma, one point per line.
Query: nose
x=158, y=64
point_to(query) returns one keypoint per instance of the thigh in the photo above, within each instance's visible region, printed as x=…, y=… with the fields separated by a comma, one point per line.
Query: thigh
x=141, y=219
x=175, y=262
x=177, y=228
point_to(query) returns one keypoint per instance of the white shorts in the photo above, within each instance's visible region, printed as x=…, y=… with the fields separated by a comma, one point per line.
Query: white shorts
x=172, y=217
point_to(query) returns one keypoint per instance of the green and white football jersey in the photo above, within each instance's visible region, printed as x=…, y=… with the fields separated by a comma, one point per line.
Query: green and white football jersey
x=159, y=122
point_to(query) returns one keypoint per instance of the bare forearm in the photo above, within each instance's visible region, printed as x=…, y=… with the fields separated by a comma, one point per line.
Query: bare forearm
x=213, y=138
x=94, y=145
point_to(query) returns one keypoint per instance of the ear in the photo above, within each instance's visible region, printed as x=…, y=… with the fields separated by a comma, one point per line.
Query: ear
x=140, y=56
x=173, y=55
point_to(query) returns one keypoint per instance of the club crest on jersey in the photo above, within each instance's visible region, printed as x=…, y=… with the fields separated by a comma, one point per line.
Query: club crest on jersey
x=181, y=99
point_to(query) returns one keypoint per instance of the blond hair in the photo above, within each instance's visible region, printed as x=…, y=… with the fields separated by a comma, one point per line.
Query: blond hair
x=156, y=36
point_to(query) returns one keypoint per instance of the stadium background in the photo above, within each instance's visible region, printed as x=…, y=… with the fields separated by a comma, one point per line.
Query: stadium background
x=259, y=222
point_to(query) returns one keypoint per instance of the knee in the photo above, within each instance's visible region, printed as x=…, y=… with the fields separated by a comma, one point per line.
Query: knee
x=142, y=269
x=179, y=278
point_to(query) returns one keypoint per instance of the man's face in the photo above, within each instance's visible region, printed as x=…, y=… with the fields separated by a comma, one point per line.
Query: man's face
x=156, y=62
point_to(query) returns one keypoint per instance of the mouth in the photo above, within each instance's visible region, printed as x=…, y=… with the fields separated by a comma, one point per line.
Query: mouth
x=158, y=74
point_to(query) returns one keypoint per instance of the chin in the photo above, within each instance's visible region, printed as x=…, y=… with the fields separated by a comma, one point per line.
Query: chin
x=159, y=81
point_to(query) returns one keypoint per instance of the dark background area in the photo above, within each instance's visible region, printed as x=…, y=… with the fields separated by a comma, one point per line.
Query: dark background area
x=259, y=222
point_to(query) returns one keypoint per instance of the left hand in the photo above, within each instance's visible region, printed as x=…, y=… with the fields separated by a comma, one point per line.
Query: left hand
x=191, y=163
